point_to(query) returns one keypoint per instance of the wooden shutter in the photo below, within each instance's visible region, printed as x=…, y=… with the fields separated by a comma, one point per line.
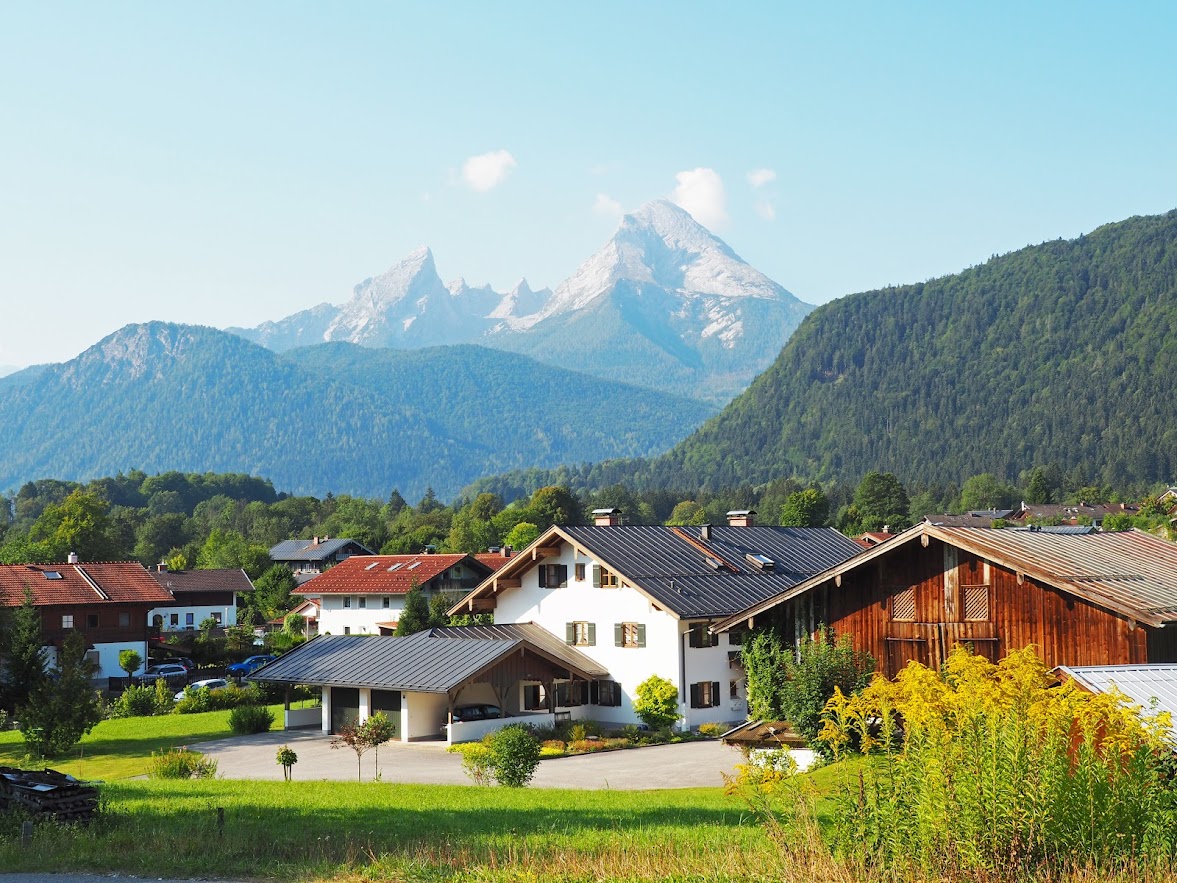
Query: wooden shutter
x=562, y=575
x=903, y=604
x=641, y=636
x=592, y=634
x=543, y=576
x=696, y=701
x=619, y=635
x=596, y=576
x=976, y=603
x=714, y=693
x=570, y=633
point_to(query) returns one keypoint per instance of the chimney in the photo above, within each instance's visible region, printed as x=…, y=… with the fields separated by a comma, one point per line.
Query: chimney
x=886, y=528
x=606, y=517
x=705, y=532
x=72, y=558
x=315, y=541
x=741, y=518
x=507, y=550
x=162, y=567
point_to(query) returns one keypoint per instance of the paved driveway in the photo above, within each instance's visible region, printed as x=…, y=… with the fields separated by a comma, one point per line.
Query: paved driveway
x=687, y=765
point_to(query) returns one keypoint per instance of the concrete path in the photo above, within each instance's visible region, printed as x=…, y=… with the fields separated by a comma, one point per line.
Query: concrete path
x=687, y=765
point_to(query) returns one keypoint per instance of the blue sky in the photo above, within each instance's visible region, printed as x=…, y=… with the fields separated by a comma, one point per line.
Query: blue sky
x=228, y=163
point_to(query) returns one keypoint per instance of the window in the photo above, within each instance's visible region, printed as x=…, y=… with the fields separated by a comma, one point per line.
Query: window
x=553, y=576
x=903, y=604
x=736, y=637
x=535, y=698
x=700, y=637
x=384, y=602
x=174, y=619
x=67, y=621
x=570, y=693
x=363, y=601
x=93, y=658
x=581, y=634
x=347, y=600
x=347, y=629
x=189, y=619
x=125, y=620
x=733, y=689
x=216, y=615
x=606, y=693
x=629, y=634
x=91, y=620
x=705, y=694
x=604, y=578
x=976, y=603
x=580, y=573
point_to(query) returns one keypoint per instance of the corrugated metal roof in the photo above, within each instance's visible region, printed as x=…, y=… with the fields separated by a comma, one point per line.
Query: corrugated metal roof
x=1152, y=687
x=1058, y=528
x=309, y=550
x=534, y=634
x=675, y=572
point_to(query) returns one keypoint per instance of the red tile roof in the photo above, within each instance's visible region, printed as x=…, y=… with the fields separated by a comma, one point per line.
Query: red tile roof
x=105, y=582
x=493, y=560
x=384, y=574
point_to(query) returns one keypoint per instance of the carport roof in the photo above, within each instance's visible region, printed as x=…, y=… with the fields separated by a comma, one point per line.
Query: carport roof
x=420, y=663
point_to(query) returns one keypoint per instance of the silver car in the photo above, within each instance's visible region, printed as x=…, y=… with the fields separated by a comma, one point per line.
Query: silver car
x=209, y=683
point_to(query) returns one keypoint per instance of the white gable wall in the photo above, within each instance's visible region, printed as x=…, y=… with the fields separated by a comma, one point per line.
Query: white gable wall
x=335, y=619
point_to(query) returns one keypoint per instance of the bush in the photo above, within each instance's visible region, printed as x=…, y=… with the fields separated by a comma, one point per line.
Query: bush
x=711, y=731
x=246, y=720
x=656, y=703
x=554, y=745
x=203, y=699
x=586, y=746
x=180, y=763
x=514, y=755
x=135, y=701
x=1033, y=776
x=477, y=761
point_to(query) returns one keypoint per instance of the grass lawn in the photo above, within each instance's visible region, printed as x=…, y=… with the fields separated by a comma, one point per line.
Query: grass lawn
x=120, y=749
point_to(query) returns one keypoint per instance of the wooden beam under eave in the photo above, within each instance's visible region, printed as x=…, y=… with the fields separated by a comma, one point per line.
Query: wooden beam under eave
x=546, y=551
x=509, y=582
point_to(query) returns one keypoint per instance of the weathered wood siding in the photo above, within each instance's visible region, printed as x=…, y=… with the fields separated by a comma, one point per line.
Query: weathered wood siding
x=918, y=602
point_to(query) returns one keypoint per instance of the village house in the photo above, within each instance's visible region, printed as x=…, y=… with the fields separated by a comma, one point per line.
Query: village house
x=108, y=602
x=198, y=595
x=631, y=601
x=364, y=595
x=1081, y=597
x=308, y=558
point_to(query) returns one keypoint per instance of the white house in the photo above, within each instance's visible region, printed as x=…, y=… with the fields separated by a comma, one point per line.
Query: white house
x=198, y=595
x=364, y=595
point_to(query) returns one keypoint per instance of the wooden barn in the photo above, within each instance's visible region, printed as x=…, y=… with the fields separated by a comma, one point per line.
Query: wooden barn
x=1081, y=598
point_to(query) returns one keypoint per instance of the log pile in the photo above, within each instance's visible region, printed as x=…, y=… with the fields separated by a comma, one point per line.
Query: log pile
x=47, y=793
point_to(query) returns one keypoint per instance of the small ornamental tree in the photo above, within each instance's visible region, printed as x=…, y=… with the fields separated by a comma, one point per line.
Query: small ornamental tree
x=129, y=661
x=286, y=759
x=657, y=702
x=378, y=729
x=352, y=736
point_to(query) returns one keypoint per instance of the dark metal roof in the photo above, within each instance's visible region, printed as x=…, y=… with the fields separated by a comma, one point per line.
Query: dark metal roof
x=309, y=550
x=534, y=634
x=671, y=564
x=220, y=580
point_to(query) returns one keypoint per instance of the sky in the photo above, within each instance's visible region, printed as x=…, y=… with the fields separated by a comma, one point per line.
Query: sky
x=227, y=163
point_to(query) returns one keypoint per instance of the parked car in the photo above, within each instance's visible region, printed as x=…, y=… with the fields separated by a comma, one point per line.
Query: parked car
x=186, y=662
x=475, y=712
x=169, y=671
x=209, y=683
x=246, y=666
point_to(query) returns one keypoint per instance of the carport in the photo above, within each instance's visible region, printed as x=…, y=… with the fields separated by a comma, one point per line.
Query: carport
x=418, y=681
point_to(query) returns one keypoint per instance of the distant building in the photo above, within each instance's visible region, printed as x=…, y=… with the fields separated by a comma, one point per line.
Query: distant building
x=198, y=595
x=308, y=558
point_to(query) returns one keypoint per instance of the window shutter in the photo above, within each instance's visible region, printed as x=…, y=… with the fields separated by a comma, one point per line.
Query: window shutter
x=715, y=693
x=695, y=696
x=641, y=636
x=562, y=575
x=543, y=576
x=714, y=639
x=592, y=634
x=570, y=633
x=619, y=635
x=594, y=692
x=596, y=576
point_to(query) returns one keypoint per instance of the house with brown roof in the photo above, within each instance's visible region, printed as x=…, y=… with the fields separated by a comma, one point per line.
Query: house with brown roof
x=364, y=595
x=1082, y=598
x=198, y=595
x=106, y=601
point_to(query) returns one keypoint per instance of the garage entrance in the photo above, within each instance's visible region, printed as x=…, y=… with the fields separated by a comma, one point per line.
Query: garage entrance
x=389, y=702
x=345, y=707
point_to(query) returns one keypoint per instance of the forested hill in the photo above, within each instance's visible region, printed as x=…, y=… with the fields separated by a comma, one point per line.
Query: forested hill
x=336, y=418
x=1064, y=352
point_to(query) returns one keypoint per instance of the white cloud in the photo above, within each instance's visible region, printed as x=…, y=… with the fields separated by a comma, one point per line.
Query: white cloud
x=760, y=177
x=607, y=206
x=700, y=191
x=487, y=170
x=765, y=209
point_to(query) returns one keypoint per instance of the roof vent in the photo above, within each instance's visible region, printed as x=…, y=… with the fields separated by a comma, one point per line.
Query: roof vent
x=714, y=563
x=607, y=517
x=72, y=558
x=741, y=518
x=762, y=562
x=705, y=532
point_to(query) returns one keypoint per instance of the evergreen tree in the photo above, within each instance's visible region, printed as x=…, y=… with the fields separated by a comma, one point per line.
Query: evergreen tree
x=24, y=653
x=62, y=709
x=415, y=617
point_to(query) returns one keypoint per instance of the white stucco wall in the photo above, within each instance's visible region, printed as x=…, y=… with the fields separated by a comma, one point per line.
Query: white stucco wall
x=711, y=664
x=334, y=618
x=581, y=602
x=199, y=613
x=423, y=714
x=108, y=658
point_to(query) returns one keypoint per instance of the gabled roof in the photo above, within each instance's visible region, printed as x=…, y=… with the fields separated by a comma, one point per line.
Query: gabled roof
x=386, y=574
x=309, y=550
x=1152, y=687
x=220, y=580
x=973, y=518
x=531, y=632
x=493, y=560
x=685, y=574
x=104, y=582
x=424, y=663
x=1131, y=573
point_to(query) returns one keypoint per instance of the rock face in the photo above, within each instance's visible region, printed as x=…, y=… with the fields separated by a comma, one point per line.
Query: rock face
x=664, y=303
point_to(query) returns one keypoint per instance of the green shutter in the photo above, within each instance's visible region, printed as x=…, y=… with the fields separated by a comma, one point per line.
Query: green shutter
x=562, y=575
x=596, y=576
x=715, y=693
x=641, y=636
x=694, y=695
x=618, y=635
x=592, y=634
x=543, y=576
x=570, y=633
